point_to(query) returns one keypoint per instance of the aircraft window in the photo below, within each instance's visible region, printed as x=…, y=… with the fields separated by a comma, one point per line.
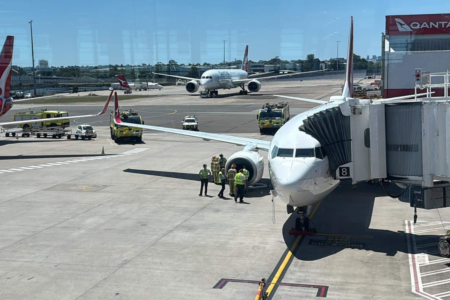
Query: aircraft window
x=285, y=152
x=304, y=153
x=274, y=151
x=319, y=153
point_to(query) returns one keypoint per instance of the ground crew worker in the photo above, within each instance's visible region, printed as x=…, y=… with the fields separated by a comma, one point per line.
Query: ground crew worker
x=246, y=174
x=222, y=182
x=204, y=177
x=239, y=181
x=222, y=161
x=231, y=174
x=216, y=170
x=212, y=168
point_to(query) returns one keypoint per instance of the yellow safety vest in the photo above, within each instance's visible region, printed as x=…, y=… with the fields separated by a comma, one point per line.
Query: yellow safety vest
x=239, y=179
x=245, y=174
x=220, y=180
x=204, y=173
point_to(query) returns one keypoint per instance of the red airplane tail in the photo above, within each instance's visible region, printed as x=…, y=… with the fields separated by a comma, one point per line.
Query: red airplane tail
x=245, y=60
x=6, y=67
x=122, y=81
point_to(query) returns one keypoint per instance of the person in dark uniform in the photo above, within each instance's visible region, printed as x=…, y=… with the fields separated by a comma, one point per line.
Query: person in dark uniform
x=222, y=182
x=204, y=177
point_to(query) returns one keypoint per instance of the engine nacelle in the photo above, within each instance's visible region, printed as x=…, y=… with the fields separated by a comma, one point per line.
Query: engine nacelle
x=192, y=86
x=252, y=161
x=254, y=86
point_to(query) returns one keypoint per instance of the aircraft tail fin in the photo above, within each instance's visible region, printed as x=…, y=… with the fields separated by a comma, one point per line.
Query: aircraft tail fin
x=244, y=65
x=348, y=87
x=122, y=81
x=6, y=67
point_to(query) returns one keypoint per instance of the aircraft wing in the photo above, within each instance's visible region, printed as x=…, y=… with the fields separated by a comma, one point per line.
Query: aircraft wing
x=303, y=99
x=241, y=81
x=259, y=74
x=240, y=141
x=176, y=76
x=60, y=118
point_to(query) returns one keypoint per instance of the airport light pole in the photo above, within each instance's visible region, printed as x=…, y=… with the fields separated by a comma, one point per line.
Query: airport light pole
x=32, y=57
x=224, y=51
x=337, y=55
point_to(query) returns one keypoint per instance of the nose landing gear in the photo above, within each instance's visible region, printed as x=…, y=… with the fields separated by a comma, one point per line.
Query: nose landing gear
x=209, y=94
x=303, y=224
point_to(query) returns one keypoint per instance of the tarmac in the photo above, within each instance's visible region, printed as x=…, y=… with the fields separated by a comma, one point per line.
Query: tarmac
x=129, y=224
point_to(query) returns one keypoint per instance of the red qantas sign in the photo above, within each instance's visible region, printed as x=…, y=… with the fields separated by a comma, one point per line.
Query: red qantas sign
x=122, y=81
x=418, y=24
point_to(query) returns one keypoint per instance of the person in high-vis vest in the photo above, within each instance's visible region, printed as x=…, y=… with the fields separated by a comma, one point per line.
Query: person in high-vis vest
x=246, y=174
x=216, y=170
x=239, y=181
x=222, y=161
x=222, y=180
x=204, y=177
x=231, y=174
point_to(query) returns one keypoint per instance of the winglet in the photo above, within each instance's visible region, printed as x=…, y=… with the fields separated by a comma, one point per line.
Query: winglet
x=117, y=119
x=6, y=67
x=348, y=87
x=106, y=105
x=244, y=65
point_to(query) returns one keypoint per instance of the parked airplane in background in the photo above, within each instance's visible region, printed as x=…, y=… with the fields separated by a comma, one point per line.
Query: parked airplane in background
x=298, y=166
x=213, y=80
x=6, y=101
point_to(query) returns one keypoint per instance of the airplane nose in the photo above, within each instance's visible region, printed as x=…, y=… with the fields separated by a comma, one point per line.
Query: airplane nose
x=206, y=83
x=291, y=180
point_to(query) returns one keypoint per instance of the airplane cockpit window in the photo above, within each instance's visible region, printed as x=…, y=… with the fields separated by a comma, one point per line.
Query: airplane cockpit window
x=274, y=151
x=285, y=152
x=304, y=153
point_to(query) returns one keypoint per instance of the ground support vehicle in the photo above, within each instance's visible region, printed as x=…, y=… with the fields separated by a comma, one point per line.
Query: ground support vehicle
x=17, y=131
x=54, y=132
x=272, y=116
x=190, y=123
x=43, y=114
x=83, y=132
x=125, y=133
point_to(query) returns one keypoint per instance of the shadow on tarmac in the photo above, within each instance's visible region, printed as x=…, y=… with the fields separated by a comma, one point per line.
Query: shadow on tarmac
x=348, y=213
x=23, y=140
x=254, y=193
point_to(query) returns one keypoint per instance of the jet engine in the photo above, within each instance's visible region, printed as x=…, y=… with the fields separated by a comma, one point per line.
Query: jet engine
x=254, y=86
x=252, y=161
x=192, y=86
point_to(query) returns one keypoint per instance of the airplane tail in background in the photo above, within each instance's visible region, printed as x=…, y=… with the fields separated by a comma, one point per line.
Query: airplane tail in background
x=348, y=87
x=6, y=67
x=122, y=81
x=245, y=60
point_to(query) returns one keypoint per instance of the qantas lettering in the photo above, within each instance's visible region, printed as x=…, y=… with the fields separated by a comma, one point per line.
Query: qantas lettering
x=402, y=26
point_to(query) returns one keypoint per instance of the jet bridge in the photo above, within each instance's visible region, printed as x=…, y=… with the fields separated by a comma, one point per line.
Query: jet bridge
x=405, y=141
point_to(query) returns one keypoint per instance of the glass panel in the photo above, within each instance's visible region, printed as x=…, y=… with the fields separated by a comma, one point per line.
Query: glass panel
x=304, y=153
x=285, y=152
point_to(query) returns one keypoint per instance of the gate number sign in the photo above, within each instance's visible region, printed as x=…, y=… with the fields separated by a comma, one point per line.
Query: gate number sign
x=344, y=171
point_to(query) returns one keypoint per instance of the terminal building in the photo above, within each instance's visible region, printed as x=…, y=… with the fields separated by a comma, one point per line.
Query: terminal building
x=412, y=42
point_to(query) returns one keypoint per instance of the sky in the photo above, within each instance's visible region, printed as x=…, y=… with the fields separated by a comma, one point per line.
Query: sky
x=99, y=32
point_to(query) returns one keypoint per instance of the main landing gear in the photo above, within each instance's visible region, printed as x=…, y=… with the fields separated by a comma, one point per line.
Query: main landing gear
x=209, y=94
x=243, y=91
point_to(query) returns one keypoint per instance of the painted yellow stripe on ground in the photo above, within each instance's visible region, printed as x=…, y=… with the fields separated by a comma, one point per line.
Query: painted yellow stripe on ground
x=288, y=256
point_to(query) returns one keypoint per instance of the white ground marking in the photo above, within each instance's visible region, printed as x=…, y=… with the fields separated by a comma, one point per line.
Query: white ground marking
x=418, y=257
x=60, y=163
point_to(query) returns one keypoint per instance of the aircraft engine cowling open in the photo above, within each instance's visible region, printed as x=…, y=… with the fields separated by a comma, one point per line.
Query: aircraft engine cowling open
x=254, y=86
x=192, y=86
x=253, y=162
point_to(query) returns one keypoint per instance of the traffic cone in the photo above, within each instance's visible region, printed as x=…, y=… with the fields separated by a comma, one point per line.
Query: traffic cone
x=103, y=150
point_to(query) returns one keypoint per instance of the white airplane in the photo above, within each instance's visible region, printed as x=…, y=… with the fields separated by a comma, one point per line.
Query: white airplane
x=6, y=101
x=298, y=165
x=213, y=80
